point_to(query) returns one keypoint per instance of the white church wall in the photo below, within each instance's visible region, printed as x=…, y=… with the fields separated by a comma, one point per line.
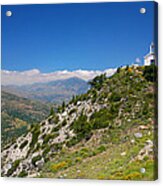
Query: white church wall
x=148, y=60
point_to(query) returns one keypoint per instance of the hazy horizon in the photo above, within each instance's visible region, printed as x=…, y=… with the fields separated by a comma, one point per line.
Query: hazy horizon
x=35, y=76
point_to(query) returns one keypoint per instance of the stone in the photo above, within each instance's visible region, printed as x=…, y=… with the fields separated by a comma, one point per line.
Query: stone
x=132, y=141
x=138, y=135
x=143, y=127
x=123, y=153
x=65, y=175
x=78, y=103
x=40, y=163
x=64, y=114
x=149, y=142
x=78, y=171
x=24, y=166
x=149, y=133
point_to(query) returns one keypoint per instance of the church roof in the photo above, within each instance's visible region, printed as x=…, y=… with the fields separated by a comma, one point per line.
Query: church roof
x=149, y=54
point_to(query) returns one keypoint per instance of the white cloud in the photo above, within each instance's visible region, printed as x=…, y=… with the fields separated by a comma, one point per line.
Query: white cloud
x=35, y=76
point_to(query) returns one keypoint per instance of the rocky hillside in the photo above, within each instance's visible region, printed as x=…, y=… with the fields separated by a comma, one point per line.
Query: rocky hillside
x=55, y=91
x=17, y=113
x=107, y=133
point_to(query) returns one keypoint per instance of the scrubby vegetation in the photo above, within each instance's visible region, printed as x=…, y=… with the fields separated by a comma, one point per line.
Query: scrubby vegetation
x=23, y=174
x=35, y=129
x=128, y=106
x=150, y=73
x=106, y=133
x=81, y=127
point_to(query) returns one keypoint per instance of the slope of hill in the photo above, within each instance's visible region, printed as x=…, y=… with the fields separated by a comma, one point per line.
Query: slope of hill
x=107, y=133
x=54, y=92
x=17, y=113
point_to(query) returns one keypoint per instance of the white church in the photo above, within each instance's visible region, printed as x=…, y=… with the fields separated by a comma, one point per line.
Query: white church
x=150, y=58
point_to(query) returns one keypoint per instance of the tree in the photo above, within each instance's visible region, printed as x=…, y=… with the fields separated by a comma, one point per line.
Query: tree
x=98, y=81
x=127, y=67
x=150, y=73
x=118, y=69
x=51, y=111
x=63, y=106
x=73, y=99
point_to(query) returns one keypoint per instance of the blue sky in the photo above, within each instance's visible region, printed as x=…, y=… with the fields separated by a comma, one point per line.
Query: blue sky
x=75, y=36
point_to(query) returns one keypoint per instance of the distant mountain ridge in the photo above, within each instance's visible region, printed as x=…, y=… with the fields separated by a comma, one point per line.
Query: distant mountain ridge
x=54, y=91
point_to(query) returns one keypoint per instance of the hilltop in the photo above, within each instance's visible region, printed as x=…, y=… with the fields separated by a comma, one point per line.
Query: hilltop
x=107, y=133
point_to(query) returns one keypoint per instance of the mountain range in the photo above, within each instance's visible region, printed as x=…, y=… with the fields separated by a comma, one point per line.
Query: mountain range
x=55, y=91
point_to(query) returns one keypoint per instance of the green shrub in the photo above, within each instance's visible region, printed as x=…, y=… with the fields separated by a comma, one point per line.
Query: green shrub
x=64, y=123
x=35, y=159
x=51, y=111
x=53, y=119
x=13, y=168
x=101, y=119
x=83, y=97
x=94, y=95
x=145, y=109
x=37, y=147
x=23, y=173
x=58, y=166
x=82, y=128
x=73, y=141
x=133, y=176
x=127, y=67
x=58, y=146
x=56, y=128
x=118, y=69
x=72, y=100
x=150, y=73
x=45, y=152
x=98, y=81
x=101, y=148
x=15, y=146
x=35, y=134
x=48, y=137
x=23, y=144
x=72, y=111
x=84, y=152
x=115, y=97
x=78, y=159
x=63, y=106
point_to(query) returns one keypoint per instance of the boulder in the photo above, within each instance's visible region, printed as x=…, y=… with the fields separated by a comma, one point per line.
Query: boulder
x=123, y=153
x=138, y=135
x=40, y=163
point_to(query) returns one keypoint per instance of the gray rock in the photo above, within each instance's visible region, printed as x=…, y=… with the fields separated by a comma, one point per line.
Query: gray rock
x=138, y=135
x=40, y=163
x=132, y=141
x=123, y=153
x=149, y=142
